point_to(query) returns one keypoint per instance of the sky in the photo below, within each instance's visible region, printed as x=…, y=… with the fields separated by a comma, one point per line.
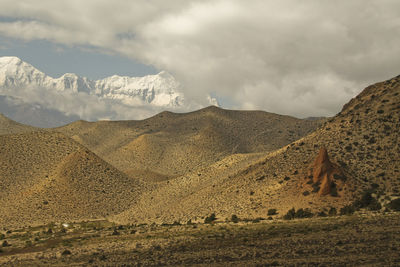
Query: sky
x=301, y=58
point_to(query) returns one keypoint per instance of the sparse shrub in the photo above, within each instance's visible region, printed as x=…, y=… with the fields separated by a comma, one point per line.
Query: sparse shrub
x=210, y=219
x=332, y=211
x=66, y=252
x=115, y=232
x=234, y=218
x=290, y=214
x=306, y=193
x=303, y=213
x=339, y=177
x=176, y=223
x=156, y=247
x=2, y=236
x=300, y=213
x=348, y=148
x=347, y=210
x=321, y=214
x=367, y=201
x=189, y=222
x=316, y=187
x=333, y=192
x=374, y=186
x=286, y=178
x=5, y=244
x=394, y=204
x=272, y=212
x=375, y=205
x=102, y=257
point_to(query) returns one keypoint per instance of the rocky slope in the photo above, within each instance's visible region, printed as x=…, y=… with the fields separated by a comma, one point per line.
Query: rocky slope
x=362, y=141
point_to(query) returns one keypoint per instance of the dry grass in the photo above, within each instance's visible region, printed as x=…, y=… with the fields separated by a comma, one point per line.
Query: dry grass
x=329, y=241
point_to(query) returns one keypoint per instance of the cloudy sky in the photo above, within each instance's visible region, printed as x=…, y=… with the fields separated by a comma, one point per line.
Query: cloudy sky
x=302, y=58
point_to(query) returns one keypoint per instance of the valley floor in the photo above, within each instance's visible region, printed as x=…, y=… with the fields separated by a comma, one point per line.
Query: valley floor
x=367, y=240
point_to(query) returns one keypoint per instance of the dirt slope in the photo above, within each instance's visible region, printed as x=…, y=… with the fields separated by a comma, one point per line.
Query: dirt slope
x=173, y=144
x=362, y=140
x=48, y=177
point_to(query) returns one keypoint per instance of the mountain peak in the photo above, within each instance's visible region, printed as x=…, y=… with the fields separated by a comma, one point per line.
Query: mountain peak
x=10, y=60
x=157, y=90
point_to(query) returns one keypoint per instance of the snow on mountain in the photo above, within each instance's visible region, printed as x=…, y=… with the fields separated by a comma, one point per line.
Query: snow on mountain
x=157, y=90
x=160, y=89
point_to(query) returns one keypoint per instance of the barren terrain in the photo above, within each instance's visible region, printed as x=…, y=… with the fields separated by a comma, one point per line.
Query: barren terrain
x=210, y=187
x=332, y=241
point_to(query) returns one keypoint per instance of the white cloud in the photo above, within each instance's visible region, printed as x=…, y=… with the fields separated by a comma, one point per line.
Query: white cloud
x=83, y=105
x=295, y=57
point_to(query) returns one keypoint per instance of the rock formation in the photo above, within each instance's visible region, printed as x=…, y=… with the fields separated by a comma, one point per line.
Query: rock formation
x=324, y=171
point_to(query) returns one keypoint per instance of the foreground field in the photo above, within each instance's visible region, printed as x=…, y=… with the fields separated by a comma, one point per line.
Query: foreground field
x=372, y=239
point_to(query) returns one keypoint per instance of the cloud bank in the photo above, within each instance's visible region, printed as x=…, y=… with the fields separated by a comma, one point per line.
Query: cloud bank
x=303, y=58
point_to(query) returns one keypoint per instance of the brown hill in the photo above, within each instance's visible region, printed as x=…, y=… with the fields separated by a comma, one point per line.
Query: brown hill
x=48, y=177
x=8, y=126
x=171, y=144
x=363, y=139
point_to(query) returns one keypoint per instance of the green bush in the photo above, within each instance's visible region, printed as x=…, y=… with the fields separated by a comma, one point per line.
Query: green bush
x=394, y=204
x=332, y=211
x=321, y=214
x=303, y=213
x=210, y=218
x=272, y=212
x=300, y=213
x=235, y=218
x=347, y=210
x=367, y=201
x=290, y=215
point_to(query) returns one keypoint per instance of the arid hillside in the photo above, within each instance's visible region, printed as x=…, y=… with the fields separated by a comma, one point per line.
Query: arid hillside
x=362, y=144
x=210, y=161
x=172, y=144
x=8, y=126
x=48, y=177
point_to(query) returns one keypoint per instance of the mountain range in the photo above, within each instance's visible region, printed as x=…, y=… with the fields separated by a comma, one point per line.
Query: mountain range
x=23, y=87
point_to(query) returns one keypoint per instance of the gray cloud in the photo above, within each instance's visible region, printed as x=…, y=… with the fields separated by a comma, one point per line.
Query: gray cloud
x=301, y=58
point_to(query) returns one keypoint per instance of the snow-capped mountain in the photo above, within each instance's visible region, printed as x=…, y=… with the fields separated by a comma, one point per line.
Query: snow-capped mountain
x=30, y=96
x=157, y=90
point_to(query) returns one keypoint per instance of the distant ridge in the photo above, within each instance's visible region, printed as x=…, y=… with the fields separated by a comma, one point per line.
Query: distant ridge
x=8, y=126
x=159, y=90
x=173, y=144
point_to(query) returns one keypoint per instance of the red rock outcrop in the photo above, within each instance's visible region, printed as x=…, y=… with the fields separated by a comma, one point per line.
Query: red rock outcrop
x=324, y=171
